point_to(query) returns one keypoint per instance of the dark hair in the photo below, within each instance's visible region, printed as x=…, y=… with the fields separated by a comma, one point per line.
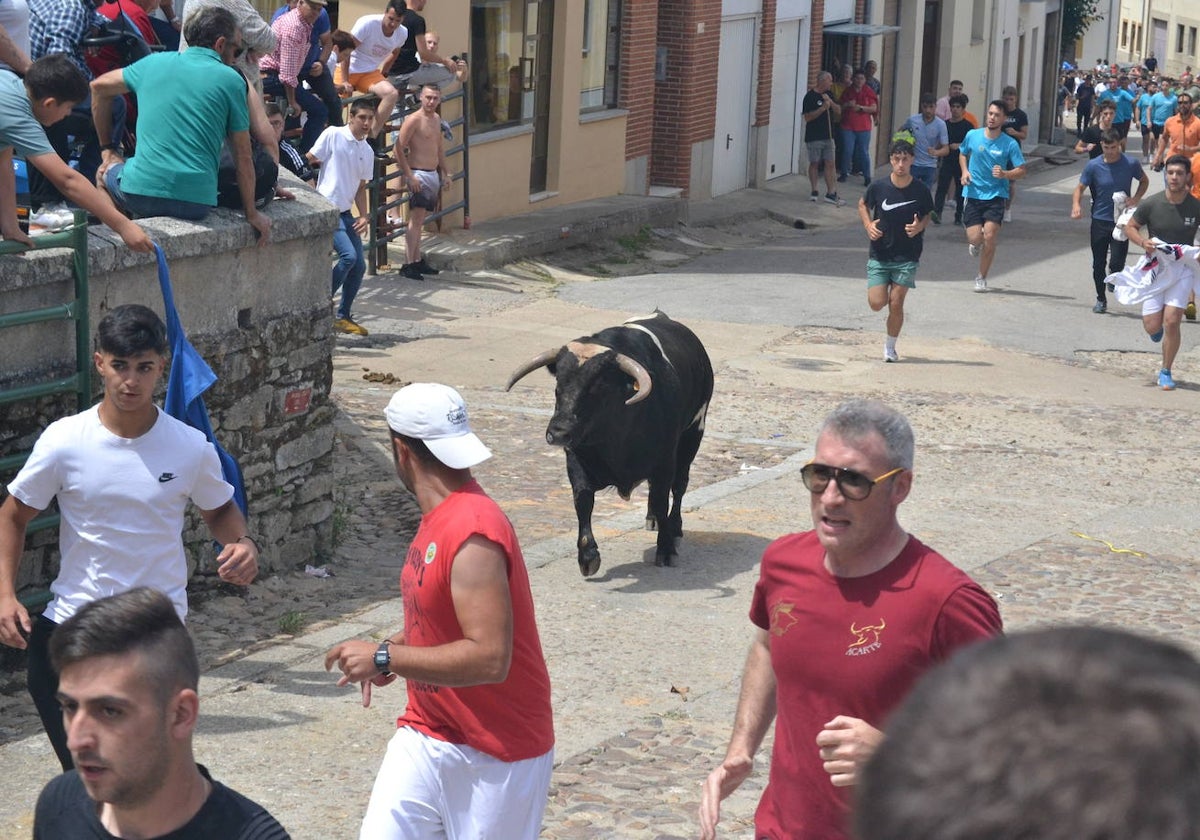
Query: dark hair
x=1110, y=135
x=1008, y=90
x=432, y=86
x=1071, y=733
x=900, y=146
x=1179, y=160
x=957, y=82
x=141, y=621
x=959, y=99
x=1106, y=105
x=367, y=103
x=131, y=329
x=999, y=103
x=272, y=109
x=398, y=6
x=418, y=447
x=342, y=39
x=207, y=25
x=56, y=76
x=928, y=99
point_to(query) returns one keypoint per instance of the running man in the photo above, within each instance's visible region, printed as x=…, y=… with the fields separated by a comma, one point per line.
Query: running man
x=895, y=212
x=991, y=159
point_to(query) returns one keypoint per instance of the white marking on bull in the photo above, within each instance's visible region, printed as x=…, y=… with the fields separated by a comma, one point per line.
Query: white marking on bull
x=583, y=352
x=698, y=420
x=653, y=337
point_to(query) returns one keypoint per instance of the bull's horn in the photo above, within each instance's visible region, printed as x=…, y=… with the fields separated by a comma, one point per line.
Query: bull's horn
x=639, y=374
x=541, y=360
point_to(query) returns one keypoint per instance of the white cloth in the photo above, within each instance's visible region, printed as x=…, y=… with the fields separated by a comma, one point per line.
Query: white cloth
x=427, y=789
x=345, y=164
x=1122, y=215
x=122, y=502
x=1169, y=275
x=374, y=46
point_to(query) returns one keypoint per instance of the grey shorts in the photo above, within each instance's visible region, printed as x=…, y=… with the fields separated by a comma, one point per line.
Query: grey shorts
x=820, y=150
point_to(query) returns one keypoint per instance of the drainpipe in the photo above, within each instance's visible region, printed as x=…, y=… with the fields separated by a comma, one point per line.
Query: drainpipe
x=995, y=35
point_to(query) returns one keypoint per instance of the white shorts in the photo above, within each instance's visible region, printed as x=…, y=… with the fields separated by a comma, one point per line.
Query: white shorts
x=1176, y=296
x=428, y=788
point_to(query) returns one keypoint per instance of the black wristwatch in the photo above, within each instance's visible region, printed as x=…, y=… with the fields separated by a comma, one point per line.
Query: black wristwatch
x=110, y=147
x=383, y=659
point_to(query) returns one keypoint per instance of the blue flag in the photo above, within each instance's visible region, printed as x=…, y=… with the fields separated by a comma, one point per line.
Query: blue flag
x=190, y=378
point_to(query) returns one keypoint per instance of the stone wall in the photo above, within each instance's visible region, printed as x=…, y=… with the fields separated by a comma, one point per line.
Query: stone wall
x=260, y=316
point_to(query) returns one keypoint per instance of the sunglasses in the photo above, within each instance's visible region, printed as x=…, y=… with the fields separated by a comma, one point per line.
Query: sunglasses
x=853, y=485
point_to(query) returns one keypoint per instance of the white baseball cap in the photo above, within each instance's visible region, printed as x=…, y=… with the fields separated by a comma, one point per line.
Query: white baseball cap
x=436, y=415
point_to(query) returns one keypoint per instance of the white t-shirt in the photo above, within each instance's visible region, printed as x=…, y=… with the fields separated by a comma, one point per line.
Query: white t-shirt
x=122, y=502
x=345, y=164
x=374, y=46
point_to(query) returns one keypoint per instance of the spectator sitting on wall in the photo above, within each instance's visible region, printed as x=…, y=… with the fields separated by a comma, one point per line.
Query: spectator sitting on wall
x=318, y=73
x=52, y=86
x=289, y=157
x=343, y=45
x=191, y=103
x=282, y=69
x=417, y=63
x=377, y=42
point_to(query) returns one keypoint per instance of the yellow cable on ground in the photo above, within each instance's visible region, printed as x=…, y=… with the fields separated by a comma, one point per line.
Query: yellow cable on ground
x=1111, y=547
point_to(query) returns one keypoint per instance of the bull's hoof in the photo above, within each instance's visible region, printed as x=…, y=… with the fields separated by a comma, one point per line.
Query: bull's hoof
x=651, y=523
x=664, y=560
x=590, y=564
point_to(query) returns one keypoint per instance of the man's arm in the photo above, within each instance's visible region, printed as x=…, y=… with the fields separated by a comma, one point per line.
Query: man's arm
x=364, y=209
x=1133, y=232
x=755, y=712
x=1076, y=199
x=12, y=55
x=1143, y=185
x=483, y=607
x=104, y=90
x=80, y=191
x=260, y=125
x=400, y=151
x=15, y=516
x=845, y=745
x=239, y=142
x=238, y=561
x=428, y=56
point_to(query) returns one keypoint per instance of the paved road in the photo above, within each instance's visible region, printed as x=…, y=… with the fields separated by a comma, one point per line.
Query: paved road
x=1048, y=465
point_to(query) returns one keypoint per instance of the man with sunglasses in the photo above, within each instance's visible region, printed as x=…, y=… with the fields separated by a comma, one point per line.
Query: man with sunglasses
x=847, y=617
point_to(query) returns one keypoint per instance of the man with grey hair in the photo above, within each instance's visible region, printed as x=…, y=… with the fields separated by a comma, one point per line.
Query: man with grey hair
x=847, y=616
x=821, y=114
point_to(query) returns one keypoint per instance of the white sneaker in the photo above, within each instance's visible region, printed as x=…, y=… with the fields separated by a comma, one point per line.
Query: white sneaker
x=980, y=283
x=1008, y=215
x=974, y=250
x=889, y=354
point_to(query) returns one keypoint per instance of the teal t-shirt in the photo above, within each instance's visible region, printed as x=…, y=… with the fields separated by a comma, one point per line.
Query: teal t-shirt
x=982, y=153
x=188, y=103
x=18, y=127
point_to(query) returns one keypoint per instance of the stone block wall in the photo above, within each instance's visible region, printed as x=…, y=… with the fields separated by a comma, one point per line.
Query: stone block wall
x=261, y=318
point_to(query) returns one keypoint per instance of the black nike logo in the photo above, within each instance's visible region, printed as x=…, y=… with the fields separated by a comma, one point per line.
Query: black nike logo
x=165, y=477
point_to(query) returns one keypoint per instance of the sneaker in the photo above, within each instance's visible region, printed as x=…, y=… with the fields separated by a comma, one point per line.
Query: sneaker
x=411, y=271
x=1157, y=336
x=842, y=178
x=974, y=250
x=889, y=355
x=1165, y=381
x=980, y=283
x=1190, y=311
x=345, y=325
x=813, y=196
x=936, y=217
x=834, y=199
x=1008, y=215
x=1100, y=308
x=426, y=268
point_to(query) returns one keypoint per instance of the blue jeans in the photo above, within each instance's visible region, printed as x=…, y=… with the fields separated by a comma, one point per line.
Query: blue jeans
x=856, y=155
x=351, y=265
x=927, y=175
x=318, y=114
x=77, y=125
x=145, y=206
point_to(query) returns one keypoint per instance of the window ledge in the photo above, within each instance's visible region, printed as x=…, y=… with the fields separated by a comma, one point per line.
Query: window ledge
x=498, y=134
x=534, y=198
x=600, y=116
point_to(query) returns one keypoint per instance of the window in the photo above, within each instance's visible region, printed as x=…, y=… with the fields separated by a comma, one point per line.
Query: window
x=1191, y=50
x=1124, y=34
x=978, y=20
x=501, y=72
x=1179, y=37
x=601, y=54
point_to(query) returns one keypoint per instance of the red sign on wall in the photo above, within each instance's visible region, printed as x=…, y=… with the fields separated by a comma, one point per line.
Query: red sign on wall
x=296, y=402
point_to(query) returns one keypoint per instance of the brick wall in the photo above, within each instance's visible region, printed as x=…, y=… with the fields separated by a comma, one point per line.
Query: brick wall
x=816, y=57
x=766, y=60
x=639, y=30
x=686, y=102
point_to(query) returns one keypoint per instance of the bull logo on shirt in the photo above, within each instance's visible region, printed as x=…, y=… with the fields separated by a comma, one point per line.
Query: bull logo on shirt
x=782, y=618
x=866, y=638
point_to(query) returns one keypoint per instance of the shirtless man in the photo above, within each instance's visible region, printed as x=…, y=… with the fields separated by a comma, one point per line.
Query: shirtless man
x=422, y=157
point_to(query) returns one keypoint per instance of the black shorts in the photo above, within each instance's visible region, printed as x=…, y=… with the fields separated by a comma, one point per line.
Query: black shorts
x=1145, y=129
x=1122, y=128
x=1157, y=128
x=980, y=210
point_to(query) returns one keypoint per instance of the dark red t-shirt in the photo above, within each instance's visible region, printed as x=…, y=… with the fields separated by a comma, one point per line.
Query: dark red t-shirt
x=853, y=120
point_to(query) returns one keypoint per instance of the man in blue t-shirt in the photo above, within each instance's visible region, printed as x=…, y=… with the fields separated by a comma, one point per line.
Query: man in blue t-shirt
x=1118, y=92
x=1110, y=173
x=990, y=160
x=1142, y=112
x=930, y=141
x=1162, y=107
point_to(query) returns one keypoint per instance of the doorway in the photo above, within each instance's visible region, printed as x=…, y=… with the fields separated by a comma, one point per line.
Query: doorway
x=735, y=74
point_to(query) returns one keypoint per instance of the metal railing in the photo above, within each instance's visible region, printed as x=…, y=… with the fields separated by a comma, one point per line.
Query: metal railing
x=75, y=238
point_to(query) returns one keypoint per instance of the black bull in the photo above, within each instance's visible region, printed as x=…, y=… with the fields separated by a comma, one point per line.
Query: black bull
x=630, y=404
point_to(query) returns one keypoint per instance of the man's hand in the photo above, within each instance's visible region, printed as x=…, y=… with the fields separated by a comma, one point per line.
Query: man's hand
x=361, y=225
x=238, y=563
x=845, y=745
x=259, y=221
x=284, y=194
x=913, y=227
x=873, y=230
x=365, y=687
x=720, y=783
x=966, y=176
x=14, y=623
x=316, y=69
x=136, y=238
x=11, y=231
x=1076, y=212
x=997, y=172
x=356, y=660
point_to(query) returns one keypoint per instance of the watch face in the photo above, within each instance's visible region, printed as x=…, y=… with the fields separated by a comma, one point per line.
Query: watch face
x=382, y=658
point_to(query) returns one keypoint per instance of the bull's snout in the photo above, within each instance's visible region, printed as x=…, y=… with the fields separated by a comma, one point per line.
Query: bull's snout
x=558, y=433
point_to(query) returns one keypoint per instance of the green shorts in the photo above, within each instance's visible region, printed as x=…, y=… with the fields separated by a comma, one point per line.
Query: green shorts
x=900, y=273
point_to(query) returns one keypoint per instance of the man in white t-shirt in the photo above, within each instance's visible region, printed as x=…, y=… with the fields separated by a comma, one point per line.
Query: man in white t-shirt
x=377, y=42
x=347, y=164
x=123, y=472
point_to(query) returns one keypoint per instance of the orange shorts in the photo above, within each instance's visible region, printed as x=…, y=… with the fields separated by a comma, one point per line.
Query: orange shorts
x=361, y=82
